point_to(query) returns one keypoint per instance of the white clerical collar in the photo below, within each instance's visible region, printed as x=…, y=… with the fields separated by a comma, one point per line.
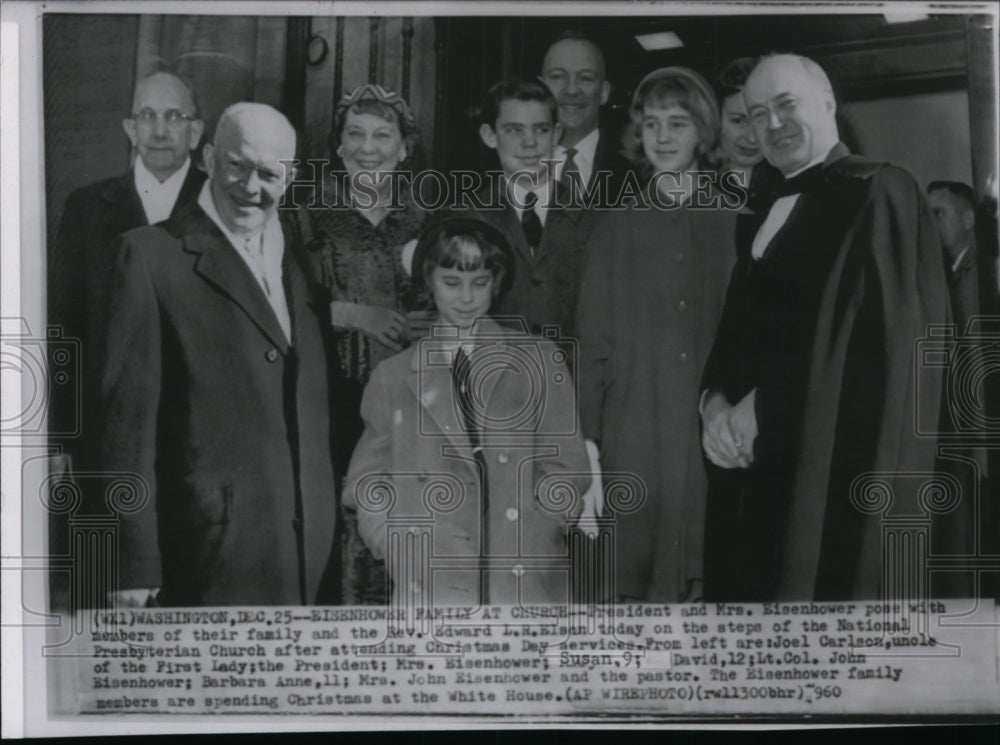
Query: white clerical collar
x=158, y=198
x=781, y=210
x=815, y=161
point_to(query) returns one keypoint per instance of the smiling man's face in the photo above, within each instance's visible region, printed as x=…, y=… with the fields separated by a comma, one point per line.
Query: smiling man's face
x=574, y=71
x=246, y=170
x=524, y=136
x=792, y=113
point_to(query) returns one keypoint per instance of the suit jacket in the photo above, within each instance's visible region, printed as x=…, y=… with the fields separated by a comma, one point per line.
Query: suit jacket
x=414, y=473
x=545, y=284
x=80, y=262
x=963, y=287
x=227, y=423
x=608, y=157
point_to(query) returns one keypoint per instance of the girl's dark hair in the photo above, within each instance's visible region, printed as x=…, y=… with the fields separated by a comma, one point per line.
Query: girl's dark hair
x=467, y=244
x=732, y=76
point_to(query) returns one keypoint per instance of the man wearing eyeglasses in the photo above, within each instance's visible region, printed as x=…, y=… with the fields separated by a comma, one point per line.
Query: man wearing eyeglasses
x=163, y=128
x=214, y=389
x=817, y=402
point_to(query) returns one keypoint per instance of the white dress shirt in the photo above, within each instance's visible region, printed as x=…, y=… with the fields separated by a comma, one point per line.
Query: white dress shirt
x=586, y=152
x=958, y=259
x=262, y=252
x=158, y=199
x=780, y=211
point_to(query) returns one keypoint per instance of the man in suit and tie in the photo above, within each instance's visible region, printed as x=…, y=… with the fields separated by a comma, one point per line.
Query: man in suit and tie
x=574, y=70
x=214, y=389
x=953, y=205
x=519, y=121
x=547, y=233
x=163, y=129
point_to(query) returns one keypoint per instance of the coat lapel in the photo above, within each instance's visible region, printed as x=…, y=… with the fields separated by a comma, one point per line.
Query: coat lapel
x=431, y=385
x=219, y=264
x=431, y=382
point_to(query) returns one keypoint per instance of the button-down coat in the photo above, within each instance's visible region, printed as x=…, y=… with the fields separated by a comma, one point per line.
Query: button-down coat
x=226, y=421
x=418, y=484
x=650, y=303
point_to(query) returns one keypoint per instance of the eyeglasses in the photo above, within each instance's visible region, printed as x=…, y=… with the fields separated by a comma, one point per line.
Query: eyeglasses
x=172, y=117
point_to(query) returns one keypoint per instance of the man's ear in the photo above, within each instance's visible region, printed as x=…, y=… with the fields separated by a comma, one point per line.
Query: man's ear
x=968, y=219
x=129, y=126
x=605, y=92
x=831, y=103
x=197, y=127
x=488, y=136
x=208, y=157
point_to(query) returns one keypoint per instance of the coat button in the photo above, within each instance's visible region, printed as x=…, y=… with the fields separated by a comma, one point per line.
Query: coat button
x=683, y=356
x=682, y=306
x=503, y=458
x=678, y=258
x=511, y=514
x=536, y=282
x=272, y=355
x=517, y=570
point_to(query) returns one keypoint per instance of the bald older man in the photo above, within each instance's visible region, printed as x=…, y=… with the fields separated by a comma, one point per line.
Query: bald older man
x=214, y=389
x=810, y=391
x=163, y=128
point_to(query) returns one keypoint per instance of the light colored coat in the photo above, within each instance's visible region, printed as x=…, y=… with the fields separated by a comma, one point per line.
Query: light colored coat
x=416, y=481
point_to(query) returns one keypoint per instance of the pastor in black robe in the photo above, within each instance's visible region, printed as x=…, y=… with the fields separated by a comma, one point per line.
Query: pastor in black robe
x=825, y=326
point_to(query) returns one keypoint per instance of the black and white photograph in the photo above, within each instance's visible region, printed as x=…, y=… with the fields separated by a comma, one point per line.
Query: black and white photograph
x=420, y=365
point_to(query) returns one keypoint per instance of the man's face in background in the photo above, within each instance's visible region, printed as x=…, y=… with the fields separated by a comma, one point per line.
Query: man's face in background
x=163, y=127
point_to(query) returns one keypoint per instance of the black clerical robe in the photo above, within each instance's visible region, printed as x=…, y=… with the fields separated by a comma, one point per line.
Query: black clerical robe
x=824, y=326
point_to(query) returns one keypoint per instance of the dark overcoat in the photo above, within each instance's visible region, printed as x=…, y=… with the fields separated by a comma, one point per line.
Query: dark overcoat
x=80, y=261
x=225, y=420
x=827, y=327
x=651, y=298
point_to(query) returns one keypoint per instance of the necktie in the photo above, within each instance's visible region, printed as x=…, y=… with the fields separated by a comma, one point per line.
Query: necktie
x=531, y=224
x=570, y=170
x=461, y=376
x=461, y=372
